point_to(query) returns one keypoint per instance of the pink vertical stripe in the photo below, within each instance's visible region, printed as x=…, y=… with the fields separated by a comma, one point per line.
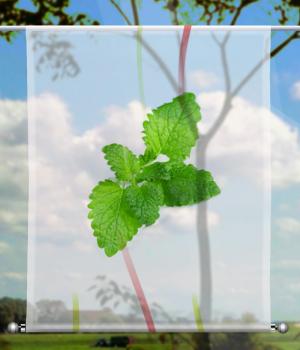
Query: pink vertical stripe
x=182, y=57
x=139, y=290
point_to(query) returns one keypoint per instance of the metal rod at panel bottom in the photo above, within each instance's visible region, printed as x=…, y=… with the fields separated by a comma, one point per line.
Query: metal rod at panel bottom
x=13, y=327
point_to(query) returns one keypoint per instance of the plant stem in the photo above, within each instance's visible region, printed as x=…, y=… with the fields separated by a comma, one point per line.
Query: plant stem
x=139, y=290
x=182, y=57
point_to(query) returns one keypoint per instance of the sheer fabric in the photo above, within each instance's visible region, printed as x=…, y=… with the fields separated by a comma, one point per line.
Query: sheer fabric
x=201, y=267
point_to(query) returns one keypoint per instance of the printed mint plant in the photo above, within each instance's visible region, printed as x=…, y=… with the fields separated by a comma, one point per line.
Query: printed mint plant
x=119, y=207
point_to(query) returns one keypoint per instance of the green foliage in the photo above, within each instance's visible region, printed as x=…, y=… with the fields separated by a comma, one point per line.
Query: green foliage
x=46, y=12
x=154, y=172
x=171, y=129
x=214, y=12
x=145, y=341
x=11, y=310
x=144, y=201
x=142, y=185
x=122, y=161
x=112, y=221
x=188, y=185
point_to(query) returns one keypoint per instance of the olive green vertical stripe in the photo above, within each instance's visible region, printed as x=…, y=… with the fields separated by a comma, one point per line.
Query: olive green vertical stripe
x=76, y=319
x=197, y=314
x=140, y=64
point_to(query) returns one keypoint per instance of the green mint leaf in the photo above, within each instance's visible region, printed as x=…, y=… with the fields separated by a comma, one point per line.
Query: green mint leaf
x=144, y=201
x=188, y=185
x=154, y=172
x=147, y=157
x=171, y=129
x=122, y=161
x=112, y=222
x=117, y=212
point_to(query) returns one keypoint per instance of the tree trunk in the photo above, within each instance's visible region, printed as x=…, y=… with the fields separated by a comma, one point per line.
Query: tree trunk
x=204, y=245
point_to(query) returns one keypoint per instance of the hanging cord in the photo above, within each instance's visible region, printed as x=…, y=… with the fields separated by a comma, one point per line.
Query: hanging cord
x=76, y=313
x=197, y=314
x=139, y=61
x=181, y=89
x=139, y=290
x=182, y=57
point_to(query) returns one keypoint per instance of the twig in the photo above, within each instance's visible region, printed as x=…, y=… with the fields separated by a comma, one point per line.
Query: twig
x=122, y=13
x=229, y=96
x=284, y=44
x=135, y=13
x=238, y=13
x=272, y=54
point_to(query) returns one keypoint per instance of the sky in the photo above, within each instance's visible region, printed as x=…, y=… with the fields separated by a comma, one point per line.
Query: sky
x=285, y=101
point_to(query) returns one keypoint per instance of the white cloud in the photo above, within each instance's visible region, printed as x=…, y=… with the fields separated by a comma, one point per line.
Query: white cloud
x=83, y=247
x=4, y=247
x=285, y=153
x=288, y=225
x=69, y=164
x=240, y=141
x=14, y=276
x=77, y=164
x=294, y=287
x=13, y=166
x=295, y=90
x=185, y=218
x=288, y=264
x=203, y=79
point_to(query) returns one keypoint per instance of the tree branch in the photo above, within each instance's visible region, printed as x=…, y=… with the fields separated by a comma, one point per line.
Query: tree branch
x=227, y=100
x=231, y=94
x=225, y=69
x=159, y=61
x=243, y=4
x=122, y=13
x=237, y=14
x=175, y=16
x=272, y=54
x=135, y=13
x=284, y=44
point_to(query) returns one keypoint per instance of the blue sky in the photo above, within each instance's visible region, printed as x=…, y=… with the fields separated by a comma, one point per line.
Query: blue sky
x=285, y=71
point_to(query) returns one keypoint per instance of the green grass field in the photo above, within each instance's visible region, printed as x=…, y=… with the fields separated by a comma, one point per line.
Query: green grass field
x=288, y=341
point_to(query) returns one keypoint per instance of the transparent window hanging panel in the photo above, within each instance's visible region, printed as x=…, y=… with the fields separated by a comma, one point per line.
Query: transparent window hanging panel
x=198, y=267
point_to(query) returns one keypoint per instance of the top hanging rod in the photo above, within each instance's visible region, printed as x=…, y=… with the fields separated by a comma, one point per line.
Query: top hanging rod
x=150, y=27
